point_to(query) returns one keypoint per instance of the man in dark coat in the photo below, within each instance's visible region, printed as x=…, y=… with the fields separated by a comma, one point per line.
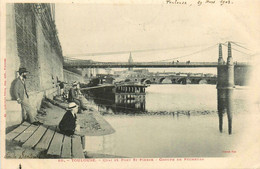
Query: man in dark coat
x=22, y=97
x=74, y=96
x=72, y=93
x=61, y=87
x=68, y=124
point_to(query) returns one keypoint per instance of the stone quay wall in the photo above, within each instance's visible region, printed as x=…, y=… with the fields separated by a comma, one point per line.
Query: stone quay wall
x=31, y=42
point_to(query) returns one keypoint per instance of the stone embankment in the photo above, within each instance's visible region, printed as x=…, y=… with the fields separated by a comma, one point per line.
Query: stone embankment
x=182, y=112
x=158, y=113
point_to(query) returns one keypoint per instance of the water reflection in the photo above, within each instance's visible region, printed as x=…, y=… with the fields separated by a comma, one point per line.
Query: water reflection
x=163, y=136
x=192, y=130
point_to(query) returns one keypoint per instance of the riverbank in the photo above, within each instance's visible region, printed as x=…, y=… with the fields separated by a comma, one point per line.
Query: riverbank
x=50, y=114
x=91, y=123
x=175, y=117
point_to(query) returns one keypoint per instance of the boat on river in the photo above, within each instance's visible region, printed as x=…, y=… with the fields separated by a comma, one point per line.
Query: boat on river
x=129, y=91
x=119, y=91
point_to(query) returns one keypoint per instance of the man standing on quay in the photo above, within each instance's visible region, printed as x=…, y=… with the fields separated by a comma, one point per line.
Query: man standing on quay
x=22, y=97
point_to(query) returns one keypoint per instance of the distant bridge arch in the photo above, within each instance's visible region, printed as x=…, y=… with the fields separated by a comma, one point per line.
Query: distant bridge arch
x=203, y=81
x=165, y=80
x=147, y=81
x=184, y=80
x=143, y=80
x=162, y=79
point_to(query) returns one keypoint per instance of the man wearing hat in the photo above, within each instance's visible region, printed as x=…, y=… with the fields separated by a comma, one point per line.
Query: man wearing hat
x=61, y=87
x=22, y=97
x=68, y=122
x=74, y=97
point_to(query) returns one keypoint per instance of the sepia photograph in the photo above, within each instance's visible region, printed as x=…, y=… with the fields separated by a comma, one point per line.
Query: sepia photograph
x=172, y=83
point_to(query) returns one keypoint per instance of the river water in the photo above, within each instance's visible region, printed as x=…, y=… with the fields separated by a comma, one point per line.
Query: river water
x=196, y=135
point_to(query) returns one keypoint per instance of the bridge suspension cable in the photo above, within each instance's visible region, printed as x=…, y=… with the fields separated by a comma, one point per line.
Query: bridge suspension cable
x=200, y=51
x=128, y=51
x=236, y=43
x=235, y=49
x=239, y=44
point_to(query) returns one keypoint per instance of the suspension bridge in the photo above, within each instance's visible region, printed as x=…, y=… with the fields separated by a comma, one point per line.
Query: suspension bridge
x=226, y=71
x=168, y=63
x=87, y=64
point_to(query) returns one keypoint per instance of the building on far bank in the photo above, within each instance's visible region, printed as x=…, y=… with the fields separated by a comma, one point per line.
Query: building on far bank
x=130, y=61
x=142, y=71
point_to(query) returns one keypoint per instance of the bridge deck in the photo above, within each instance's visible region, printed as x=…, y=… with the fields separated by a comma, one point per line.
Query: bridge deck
x=86, y=64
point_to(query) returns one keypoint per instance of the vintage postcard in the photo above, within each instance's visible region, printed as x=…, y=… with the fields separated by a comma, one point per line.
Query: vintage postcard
x=130, y=84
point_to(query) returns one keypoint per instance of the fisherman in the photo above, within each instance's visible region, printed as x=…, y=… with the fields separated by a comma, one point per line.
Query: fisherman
x=22, y=97
x=74, y=96
x=78, y=89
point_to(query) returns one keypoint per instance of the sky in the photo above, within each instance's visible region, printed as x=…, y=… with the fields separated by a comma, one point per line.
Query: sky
x=163, y=32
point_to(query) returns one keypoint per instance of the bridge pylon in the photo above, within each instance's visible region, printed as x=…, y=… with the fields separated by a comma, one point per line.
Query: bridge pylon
x=221, y=75
x=225, y=87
